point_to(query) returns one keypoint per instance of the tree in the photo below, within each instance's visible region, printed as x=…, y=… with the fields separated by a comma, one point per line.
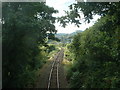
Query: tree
x=25, y=27
x=100, y=8
x=97, y=49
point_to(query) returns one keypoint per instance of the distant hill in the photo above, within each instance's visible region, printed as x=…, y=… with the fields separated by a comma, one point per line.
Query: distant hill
x=61, y=34
x=67, y=38
x=77, y=31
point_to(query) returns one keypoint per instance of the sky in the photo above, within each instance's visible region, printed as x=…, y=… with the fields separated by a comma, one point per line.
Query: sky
x=62, y=5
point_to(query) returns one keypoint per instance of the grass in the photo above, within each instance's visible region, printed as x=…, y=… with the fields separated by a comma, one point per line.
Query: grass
x=67, y=64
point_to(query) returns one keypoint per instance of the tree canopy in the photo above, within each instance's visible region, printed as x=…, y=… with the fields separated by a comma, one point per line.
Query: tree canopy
x=25, y=27
x=96, y=51
x=89, y=9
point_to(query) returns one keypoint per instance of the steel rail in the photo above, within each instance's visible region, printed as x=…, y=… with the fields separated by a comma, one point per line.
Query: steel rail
x=51, y=71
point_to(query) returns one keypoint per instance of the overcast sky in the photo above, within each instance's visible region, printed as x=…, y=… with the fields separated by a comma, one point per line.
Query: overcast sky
x=62, y=5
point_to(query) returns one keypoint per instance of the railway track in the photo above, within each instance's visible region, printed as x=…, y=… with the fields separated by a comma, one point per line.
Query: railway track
x=53, y=81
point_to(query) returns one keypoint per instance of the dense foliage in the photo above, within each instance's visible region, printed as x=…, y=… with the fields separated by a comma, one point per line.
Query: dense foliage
x=96, y=50
x=96, y=62
x=26, y=27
